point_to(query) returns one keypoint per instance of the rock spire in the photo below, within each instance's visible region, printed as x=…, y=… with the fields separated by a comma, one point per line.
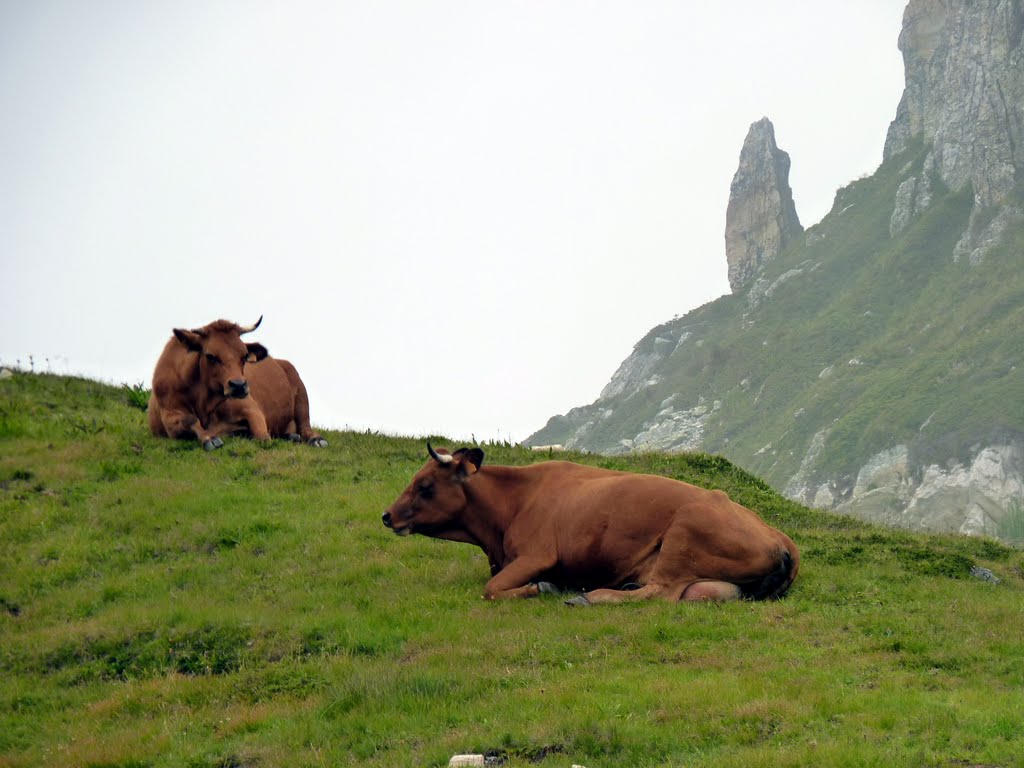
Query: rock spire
x=761, y=218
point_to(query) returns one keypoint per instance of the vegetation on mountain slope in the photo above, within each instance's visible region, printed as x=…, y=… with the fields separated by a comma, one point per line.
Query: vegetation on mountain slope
x=161, y=605
x=878, y=341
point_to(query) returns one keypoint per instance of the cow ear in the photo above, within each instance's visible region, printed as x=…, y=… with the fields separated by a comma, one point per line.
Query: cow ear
x=473, y=456
x=256, y=352
x=193, y=341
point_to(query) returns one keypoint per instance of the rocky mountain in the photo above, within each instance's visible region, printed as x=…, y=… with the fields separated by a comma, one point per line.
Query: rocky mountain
x=872, y=364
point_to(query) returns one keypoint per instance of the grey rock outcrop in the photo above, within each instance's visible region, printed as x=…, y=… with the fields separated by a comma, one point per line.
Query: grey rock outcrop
x=761, y=218
x=973, y=498
x=635, y=371
x=980, y=238
x=763, y=289
x=912, y=197
x=964, y=95
x=675, y=429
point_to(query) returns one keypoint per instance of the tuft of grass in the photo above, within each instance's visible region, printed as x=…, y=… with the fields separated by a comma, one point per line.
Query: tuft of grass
x=137, y=395
x=165, y=606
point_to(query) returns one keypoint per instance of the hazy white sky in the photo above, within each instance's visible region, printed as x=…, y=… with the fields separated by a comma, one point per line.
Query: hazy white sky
x=456, y=217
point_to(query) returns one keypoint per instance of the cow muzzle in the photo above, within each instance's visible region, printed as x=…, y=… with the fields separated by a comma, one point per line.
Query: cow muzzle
x=238, y=389
x=386, y=519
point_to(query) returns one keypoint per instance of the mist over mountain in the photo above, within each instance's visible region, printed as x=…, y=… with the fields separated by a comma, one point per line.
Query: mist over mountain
x=871, y=364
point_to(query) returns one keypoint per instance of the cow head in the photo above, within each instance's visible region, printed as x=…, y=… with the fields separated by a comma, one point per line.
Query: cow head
x=436, y=497
x=223, y=355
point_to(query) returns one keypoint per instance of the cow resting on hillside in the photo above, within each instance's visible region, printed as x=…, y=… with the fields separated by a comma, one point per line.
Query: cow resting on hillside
x=623, y=536
x=208, y=383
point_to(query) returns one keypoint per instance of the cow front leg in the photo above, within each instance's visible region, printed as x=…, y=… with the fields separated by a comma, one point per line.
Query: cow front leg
x=257, y=425
x=211, y=436
x=241, y=416
x=514, y=580
x=184, y=425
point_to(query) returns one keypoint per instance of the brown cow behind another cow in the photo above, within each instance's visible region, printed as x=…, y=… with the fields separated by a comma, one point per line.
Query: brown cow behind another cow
x=624, y=536
x=208, y=383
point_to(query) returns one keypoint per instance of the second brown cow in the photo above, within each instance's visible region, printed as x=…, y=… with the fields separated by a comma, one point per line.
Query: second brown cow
x=208, y=383
x=622, y=536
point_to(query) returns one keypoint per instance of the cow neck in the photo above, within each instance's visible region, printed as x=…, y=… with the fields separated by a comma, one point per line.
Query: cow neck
x=491, y=506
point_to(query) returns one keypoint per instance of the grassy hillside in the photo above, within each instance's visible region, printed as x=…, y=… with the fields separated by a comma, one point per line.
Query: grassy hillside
x=877, y=341
x=164, y=606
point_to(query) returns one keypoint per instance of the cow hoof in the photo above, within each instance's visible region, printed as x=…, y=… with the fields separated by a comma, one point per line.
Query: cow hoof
x=579, y=600
x=212, y=443
x=293, y=437
x=318, y=442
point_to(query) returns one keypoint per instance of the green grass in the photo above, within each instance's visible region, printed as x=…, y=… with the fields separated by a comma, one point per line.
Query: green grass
x=165, y=606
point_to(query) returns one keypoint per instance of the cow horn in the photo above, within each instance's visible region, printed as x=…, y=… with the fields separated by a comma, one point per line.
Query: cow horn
x=251, y=328
x=440, y=458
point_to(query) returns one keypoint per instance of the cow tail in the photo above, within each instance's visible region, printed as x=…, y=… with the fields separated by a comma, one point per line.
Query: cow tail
x=775, y=584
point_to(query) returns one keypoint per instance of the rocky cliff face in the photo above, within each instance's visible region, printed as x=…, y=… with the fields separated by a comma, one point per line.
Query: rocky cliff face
x=761, y=218
x=964, y=95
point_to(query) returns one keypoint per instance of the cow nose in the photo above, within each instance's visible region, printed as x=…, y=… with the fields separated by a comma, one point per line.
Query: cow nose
x=239, y=387
x=386, y=519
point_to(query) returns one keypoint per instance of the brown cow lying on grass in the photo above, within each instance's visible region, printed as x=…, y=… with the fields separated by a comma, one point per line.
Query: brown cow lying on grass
x=203, y=388
x=624, y=536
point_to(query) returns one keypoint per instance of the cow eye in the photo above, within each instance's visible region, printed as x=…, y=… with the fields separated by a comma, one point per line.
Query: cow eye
x=212, y=358
x=427, y=491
